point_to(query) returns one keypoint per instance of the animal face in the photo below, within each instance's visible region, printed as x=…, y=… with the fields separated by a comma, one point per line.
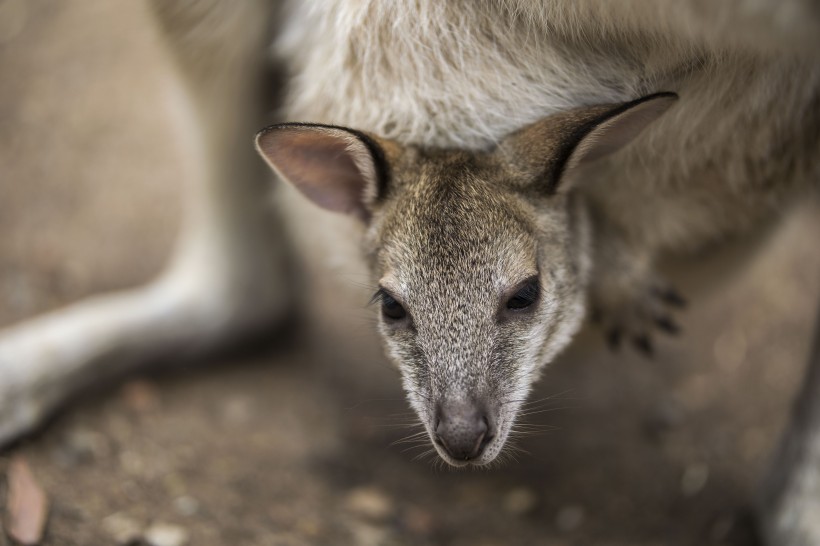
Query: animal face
x=481, y=257
x=478, y=285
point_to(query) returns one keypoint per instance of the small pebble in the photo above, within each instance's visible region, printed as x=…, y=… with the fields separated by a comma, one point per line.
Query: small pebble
x=174, y=484
x=309, y=526
x=237, y=410
x=80, y=446
x=418, y=521
x=122, y=528
x=569, y=518
x=370, y=503
x=694, y=479
x=131, y=463
x=140, y=396
x=368, y=534
x=164, y=534
x=520, y=501
x=186, y=506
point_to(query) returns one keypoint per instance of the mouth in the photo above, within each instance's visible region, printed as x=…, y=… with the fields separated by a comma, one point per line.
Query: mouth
x=462, y=463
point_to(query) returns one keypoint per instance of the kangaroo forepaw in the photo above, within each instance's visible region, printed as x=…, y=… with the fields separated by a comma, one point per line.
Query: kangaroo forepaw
x=633, y=312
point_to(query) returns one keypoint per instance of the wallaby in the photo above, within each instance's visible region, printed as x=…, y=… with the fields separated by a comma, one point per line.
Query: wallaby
x=489, y=158
x=509, y=161
x=482, y=258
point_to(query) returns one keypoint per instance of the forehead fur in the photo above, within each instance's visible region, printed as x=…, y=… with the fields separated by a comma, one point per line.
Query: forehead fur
x=452, y=218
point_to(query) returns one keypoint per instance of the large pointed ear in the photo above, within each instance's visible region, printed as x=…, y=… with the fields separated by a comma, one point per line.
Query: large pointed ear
x=551, y=149
x=339, y=169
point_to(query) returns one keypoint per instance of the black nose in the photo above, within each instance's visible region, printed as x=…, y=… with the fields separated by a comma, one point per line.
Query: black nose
x=462, y=430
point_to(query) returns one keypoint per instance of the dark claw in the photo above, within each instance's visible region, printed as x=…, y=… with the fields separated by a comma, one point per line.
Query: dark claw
x=667, y=325
x=672, y=297
x=643, y=344
x=613, y=339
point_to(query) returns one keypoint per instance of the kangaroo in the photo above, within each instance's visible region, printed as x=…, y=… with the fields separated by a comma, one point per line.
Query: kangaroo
x=514, y=164
x=482, y=258
x=497, y=210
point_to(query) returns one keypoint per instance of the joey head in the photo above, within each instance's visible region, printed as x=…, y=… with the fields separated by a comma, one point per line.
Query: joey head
x=482, y=258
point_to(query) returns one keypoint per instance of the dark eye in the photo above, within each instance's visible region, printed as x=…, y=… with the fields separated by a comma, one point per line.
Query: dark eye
x=525, y=296
x=391, y=309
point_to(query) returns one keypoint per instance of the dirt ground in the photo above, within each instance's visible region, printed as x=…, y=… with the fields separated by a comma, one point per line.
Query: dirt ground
x=295, y=444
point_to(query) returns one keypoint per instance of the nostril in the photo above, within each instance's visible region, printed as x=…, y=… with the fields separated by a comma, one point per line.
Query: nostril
x=488, y=435
x=462, y=431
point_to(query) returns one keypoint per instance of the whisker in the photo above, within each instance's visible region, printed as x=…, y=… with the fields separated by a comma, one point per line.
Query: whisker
x=525, y=402
x=532, y=426
x=398, y=425
x=411, y=448
x=546, y=410
x=424, y=454
x=417, y=437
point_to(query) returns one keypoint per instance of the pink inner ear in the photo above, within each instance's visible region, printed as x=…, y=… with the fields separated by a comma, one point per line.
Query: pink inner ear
x=320, y=163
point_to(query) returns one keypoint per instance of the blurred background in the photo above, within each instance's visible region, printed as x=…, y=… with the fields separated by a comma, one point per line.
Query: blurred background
x=295, y=443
